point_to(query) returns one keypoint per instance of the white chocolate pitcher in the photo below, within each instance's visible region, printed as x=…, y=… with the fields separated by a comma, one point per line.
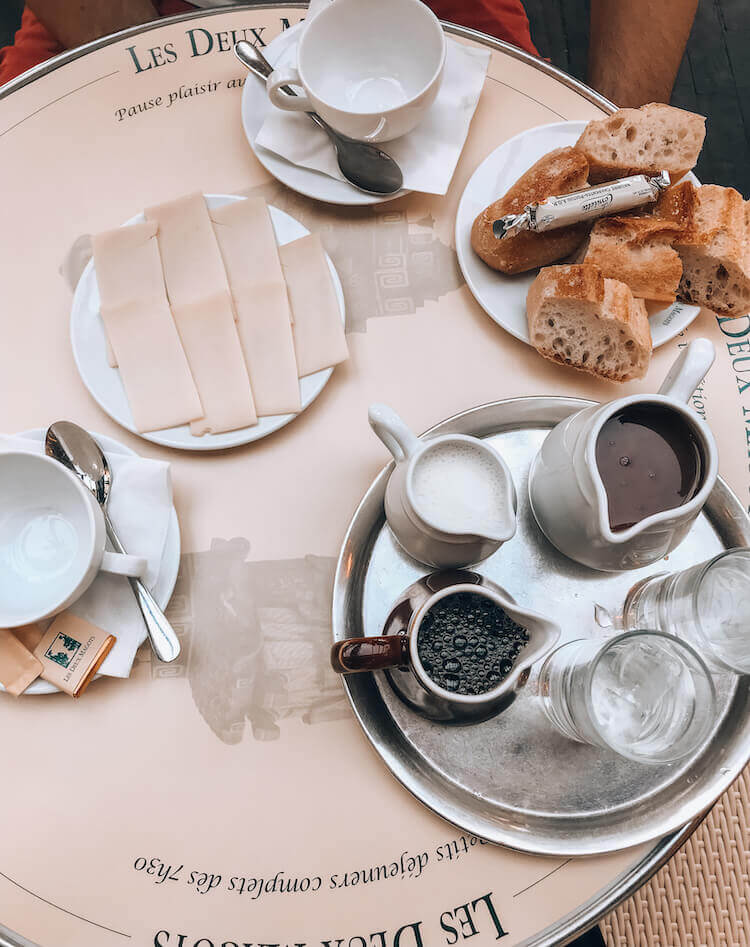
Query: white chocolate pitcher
x=450, y=500
x=585, y=487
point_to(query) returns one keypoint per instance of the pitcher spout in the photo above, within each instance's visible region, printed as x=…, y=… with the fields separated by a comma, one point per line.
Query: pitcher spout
x=506, y=525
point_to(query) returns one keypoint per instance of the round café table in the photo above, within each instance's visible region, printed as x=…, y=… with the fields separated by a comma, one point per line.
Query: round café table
x=231, y=799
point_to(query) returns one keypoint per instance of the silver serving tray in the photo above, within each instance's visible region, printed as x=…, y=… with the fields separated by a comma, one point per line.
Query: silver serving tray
x=513, y=779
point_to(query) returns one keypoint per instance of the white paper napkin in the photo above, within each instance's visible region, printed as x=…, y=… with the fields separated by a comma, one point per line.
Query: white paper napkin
x=140, y=507
x=427, y=156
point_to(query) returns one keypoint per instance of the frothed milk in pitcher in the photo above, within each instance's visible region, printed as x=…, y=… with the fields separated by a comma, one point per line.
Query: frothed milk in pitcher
x=460, y=489
x=450, y=500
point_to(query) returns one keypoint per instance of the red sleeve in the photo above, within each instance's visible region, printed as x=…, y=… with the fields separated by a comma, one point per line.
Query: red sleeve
x=32, y=45
x=504, y=19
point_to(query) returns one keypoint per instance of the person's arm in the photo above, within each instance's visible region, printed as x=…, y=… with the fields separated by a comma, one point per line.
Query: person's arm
x=636, y=48
x=74, y=22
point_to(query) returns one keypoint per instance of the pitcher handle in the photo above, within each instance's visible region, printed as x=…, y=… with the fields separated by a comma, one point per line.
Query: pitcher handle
x=370, y=654
x=392, y=431
x=689, y=369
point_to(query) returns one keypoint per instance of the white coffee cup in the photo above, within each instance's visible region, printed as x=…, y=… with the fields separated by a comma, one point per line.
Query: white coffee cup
x=371, y=70
x=52, y=539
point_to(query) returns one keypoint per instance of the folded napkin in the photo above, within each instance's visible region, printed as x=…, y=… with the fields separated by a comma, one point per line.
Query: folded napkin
x=427, y=156
x=140, y=508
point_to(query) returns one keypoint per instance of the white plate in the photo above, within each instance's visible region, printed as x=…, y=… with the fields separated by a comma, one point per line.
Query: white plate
x=504, y=297
x=170, y=560
x=104, y=382
x=254, y=108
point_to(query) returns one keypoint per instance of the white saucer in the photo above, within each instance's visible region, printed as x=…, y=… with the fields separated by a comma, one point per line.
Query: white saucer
x=90, y=352
x=254, y=107
x=504, y=297
x=170, y=560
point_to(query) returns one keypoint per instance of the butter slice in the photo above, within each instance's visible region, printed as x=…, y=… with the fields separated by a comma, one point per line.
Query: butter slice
x=139, y=325
x=319, y=338
x=201, y=303
x=248, y=247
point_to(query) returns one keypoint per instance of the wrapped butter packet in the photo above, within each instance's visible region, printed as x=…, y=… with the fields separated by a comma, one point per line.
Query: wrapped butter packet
x=586, y=204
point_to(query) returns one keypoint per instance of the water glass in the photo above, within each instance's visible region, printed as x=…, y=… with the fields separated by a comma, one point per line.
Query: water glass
x=707, y=605
x=644, y=694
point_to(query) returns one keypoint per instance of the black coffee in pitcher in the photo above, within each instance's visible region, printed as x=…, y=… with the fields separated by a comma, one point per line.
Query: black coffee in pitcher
x=649, y=460
x=468, y=644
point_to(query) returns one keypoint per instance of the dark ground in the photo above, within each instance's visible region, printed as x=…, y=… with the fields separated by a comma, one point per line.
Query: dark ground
x=714, y=79
x=10, y=17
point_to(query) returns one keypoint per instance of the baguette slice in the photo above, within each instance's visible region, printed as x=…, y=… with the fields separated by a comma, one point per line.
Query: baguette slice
x=638, y=251
x=714, y=245
x=679, y=203
x=559, y=172
x=646, y=140
x=579, y=318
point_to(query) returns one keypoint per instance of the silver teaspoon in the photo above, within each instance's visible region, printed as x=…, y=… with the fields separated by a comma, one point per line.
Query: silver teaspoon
x=366, y=167
x=77, y=450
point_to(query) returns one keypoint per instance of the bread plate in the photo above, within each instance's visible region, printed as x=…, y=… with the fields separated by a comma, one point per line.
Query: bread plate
x=503, y=297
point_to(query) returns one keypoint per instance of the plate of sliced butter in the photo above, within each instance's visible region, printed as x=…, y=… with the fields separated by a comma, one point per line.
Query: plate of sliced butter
x=614, y=277
x=207, y=322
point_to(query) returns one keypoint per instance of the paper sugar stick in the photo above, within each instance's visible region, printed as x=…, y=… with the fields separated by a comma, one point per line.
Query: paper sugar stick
x=29, y=635
x=319, y=338
x=18, y=666
x=202, y=308
x=248, y=246
x=152, y=363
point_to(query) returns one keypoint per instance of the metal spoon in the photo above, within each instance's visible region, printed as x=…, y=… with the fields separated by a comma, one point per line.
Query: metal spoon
x=77, y=450
x=366, y=167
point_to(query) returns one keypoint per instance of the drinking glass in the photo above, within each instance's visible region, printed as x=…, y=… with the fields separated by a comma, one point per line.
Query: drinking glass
x=708, y=605
x=644, y=694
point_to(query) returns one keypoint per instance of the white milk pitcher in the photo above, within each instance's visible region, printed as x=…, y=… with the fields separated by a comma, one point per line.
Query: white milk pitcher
x=450, y=501
x=617, y=486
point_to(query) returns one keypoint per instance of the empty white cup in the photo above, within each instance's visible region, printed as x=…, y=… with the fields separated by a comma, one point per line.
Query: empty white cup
x=52, y=539
x=371, y=70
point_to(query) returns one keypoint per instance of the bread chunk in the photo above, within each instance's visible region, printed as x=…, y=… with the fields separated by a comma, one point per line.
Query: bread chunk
x=559, y=172
x=577, y=317
x=678, y=204
x=638, y=251
x=646, y=140
x=713, y=244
